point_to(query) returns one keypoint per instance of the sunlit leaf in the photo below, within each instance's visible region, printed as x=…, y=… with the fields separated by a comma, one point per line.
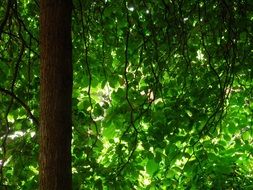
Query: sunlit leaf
x=151, y=167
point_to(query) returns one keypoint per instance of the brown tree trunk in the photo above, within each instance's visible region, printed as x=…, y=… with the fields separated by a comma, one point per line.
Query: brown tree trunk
x=55, y=94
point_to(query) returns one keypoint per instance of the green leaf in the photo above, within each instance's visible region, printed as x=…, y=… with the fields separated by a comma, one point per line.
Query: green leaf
x=109, y=132
x=232, y=128
x=98, y=110
x=151, y=167
x=246, y=135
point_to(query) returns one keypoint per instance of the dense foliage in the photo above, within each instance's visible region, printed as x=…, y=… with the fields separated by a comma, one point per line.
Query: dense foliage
x=162, y=94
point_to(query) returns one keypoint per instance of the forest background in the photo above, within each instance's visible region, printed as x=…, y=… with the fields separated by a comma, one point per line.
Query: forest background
x=162, y=94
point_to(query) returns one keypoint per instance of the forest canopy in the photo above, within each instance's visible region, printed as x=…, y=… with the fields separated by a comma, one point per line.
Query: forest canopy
x=162, y=94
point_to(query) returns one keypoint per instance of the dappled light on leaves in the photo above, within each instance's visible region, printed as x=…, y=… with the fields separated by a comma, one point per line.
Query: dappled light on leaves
x=162, y=94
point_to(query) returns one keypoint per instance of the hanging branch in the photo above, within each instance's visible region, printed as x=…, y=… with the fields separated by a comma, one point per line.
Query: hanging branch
x=87, y=65
x=22, y=103
x=127, y=96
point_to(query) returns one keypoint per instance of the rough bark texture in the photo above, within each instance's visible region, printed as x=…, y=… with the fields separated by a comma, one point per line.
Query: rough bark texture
x=55, y=94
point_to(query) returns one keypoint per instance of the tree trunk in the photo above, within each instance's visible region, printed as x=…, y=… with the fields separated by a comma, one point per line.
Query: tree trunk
x=55, y=94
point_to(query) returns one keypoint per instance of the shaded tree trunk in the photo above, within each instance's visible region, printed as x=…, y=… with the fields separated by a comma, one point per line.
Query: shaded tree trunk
x=55, y=94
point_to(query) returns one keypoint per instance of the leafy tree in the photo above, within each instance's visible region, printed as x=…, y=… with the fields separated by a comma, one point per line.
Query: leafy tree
x=162, y=94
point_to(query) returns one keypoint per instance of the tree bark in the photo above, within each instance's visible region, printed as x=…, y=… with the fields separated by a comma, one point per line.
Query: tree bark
x=55, y=94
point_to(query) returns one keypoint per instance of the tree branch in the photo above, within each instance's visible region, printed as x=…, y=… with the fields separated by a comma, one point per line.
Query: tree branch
x=22, y=103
